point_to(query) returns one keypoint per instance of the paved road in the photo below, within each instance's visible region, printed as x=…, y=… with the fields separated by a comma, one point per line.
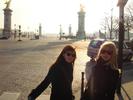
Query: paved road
x=24, y=64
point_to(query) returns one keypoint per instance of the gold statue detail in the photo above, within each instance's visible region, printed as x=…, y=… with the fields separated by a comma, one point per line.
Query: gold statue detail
x=82, y=7
x=8, y=3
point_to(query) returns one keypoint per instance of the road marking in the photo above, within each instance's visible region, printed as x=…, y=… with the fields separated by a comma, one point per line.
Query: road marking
x=14, y=96
x=9, y=96
x=42, y=97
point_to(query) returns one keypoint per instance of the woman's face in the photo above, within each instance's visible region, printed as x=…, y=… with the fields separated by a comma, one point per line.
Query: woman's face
x=106, y=53
x=69, y=56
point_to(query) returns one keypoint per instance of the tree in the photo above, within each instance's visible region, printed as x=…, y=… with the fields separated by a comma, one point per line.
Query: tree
x=129, y=19
x=110, y=24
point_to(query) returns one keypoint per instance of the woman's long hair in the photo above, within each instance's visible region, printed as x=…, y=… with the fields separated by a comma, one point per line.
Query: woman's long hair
x=112, y=47
x=67, y=48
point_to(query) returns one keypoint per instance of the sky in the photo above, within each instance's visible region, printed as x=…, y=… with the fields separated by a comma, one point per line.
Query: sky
x=53, y=13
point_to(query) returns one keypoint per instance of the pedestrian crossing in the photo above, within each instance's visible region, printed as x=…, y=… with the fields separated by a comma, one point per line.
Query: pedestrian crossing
x=42, y=97
x=15, y=95
x=9, y=96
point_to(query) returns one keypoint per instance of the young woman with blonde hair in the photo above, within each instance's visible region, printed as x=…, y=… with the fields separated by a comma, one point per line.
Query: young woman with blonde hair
x=104, y=74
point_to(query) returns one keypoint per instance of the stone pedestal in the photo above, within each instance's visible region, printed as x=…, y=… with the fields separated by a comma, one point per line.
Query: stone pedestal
x=81, y=25
x=7, y=23
x=40, y=30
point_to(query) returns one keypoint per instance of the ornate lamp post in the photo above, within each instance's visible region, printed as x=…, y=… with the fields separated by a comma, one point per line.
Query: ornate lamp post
x=121, y=4
x=60, y=32
x=15, y=32
x=19, y=33
x=7, y=20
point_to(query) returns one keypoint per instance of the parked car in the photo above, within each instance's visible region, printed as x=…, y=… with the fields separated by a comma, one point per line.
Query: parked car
x=130, y=43
x=127, y=51
x=95, y=44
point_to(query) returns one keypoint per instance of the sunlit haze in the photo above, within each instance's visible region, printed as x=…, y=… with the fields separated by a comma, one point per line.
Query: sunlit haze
x=51, y=13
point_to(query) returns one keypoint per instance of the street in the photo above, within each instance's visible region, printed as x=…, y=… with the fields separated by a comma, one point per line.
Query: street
x=23, y=64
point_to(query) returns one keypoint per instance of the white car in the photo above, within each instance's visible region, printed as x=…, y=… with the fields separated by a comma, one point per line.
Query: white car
x=95, y=44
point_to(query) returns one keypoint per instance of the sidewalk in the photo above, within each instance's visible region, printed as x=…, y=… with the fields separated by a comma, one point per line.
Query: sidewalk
x=127, y=87
x=124, y=96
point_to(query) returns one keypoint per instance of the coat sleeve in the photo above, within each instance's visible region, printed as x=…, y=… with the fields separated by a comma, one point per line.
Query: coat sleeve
x=43, y=85
x=88, y=69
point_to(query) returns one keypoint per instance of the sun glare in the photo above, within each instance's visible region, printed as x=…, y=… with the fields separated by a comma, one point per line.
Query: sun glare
x=51, y=13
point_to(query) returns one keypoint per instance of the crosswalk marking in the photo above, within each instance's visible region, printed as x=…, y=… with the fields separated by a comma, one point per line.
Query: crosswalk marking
x=14, y=96
x=42, y=97
x=9, y=96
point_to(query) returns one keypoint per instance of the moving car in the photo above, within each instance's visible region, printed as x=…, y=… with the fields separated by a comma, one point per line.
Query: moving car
x=95, y=44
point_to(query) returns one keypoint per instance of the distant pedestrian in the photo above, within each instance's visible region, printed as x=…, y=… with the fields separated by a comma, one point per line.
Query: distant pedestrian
x=102, y=73
x=60, y=76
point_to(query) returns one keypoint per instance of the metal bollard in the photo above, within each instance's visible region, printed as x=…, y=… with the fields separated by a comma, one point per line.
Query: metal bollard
x=82, y=83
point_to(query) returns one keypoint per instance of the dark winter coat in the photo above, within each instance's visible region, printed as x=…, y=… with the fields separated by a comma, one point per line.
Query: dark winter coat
x=60, y=76
x=103, y=81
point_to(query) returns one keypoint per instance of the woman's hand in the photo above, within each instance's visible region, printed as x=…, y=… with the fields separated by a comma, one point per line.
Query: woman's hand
x=30, y=98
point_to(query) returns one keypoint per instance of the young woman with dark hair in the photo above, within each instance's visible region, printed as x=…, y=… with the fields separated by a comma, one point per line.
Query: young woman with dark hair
x=60, y=76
